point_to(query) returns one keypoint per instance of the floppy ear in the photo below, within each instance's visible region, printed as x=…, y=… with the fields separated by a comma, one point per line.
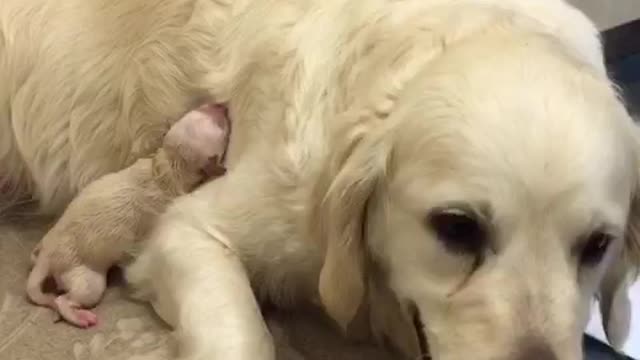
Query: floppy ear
x=358, y=163
x=390, y=321
x=615, y=305
x=631, y=251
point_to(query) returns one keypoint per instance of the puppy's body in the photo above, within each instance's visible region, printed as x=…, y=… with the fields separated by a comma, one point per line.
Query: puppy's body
x=110, y=214
x=399, y=108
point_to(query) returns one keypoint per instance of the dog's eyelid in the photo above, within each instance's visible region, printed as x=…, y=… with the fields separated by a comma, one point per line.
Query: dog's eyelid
x=460, y=228
x=592, y=246
x=584, y=239
x=478, y=211
x=613, y=233
x=608, y=230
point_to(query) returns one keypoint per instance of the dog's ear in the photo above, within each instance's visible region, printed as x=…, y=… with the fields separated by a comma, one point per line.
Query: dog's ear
x=357, y=164
x=390, y=322
x=631, y=251
x=615, y=306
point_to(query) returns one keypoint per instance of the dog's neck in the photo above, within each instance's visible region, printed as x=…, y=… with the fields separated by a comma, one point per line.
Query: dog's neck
x=174, y=177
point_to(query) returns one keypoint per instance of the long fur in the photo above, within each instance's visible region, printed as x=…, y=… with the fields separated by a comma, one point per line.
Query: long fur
x=64, y=111
x=114, y=212
x=340, y=109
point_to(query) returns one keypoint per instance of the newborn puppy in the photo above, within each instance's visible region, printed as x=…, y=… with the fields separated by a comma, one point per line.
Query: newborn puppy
x=110, y=214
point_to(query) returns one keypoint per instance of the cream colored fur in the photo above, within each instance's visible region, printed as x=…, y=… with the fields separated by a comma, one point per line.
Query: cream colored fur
x=112, y=213
x=87, y=89
x=347, y=115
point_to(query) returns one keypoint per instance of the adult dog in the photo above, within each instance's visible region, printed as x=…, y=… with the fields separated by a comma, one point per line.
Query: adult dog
x=460, y=169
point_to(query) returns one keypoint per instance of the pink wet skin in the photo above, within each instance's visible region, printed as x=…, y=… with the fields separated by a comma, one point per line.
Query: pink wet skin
x=75, y=314
x=206, y=129
x=220, y=117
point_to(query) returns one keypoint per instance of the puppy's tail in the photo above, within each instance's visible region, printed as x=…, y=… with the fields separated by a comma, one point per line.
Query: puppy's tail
x=38, y=275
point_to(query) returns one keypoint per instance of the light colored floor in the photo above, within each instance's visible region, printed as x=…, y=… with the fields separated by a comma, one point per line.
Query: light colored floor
x=129, y=330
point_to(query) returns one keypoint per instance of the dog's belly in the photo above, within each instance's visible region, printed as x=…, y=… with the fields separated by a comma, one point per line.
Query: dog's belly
x=98, y=97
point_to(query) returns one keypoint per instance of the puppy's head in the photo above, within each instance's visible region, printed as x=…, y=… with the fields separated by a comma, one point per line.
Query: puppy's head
x=193, y=148
x=494, y=199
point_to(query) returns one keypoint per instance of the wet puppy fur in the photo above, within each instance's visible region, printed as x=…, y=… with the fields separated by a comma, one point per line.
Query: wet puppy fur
x=115, y=211
x=392, y=117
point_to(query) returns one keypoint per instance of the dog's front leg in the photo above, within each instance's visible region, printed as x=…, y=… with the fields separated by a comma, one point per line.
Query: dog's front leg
x=201, y=288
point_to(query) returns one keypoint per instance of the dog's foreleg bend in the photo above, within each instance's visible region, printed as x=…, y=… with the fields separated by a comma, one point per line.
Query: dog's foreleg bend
x=198, y=286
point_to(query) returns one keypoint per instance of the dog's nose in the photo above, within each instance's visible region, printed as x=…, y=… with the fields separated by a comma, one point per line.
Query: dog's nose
x=535, y=350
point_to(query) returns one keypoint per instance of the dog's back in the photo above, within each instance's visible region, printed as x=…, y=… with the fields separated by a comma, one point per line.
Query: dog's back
x=91, y=86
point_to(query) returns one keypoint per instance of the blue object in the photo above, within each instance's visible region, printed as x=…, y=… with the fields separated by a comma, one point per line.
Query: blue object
x=622, y=50
x=596, y=350
x=627, y=75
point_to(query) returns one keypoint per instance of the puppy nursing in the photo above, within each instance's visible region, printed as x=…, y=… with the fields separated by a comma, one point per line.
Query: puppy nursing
x=109, y=215
x=431, y=160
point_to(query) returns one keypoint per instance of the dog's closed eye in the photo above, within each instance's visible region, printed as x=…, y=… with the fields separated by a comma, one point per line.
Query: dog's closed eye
x=460, y=231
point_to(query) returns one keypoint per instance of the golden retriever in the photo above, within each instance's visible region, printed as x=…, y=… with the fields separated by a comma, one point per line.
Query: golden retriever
x=456, y=170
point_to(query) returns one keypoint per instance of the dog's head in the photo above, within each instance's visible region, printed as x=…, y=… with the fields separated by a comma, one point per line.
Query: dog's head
x=493, y=199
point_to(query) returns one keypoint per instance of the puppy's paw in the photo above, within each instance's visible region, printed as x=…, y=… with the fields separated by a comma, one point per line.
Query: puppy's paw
x=85, y=318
